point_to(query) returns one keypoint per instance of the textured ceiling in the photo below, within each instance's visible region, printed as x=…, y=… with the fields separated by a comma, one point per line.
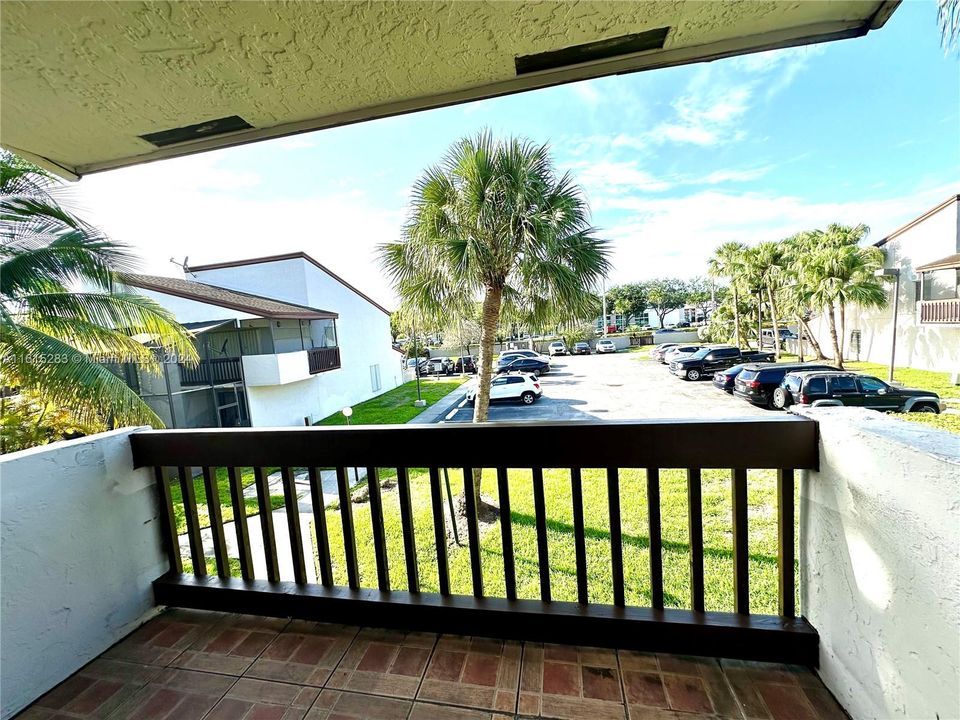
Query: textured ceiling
x=82, y=80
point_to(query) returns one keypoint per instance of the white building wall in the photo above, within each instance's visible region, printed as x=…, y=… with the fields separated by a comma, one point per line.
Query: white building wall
x=363, y=335
x=80, y=545
x=921, y=346
x=880, y=571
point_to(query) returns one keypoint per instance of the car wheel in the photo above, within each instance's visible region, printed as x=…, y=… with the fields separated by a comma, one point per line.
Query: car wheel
x=924, y=407
x=780, y=399
x=693, y=374
x=528, y=398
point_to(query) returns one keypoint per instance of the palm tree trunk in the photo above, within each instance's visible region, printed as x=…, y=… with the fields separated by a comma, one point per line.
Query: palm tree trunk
x=776, y=329
x=759, y=320
x=805, y=329
x=832, y=323
x=800, y=337
x=736, y=316
x=843, y=329
x=488, y=334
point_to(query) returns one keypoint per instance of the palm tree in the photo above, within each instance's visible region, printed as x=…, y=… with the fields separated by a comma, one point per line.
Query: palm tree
x=63, y=307
x=728, y=262
x=494, y=222
x=770, y=260
x=800, y=248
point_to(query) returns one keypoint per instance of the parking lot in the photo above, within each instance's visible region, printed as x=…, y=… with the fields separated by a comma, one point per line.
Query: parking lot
x=621, y=386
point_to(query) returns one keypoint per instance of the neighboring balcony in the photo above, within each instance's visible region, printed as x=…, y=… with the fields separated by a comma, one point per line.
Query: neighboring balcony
x=940, y=311
x=283, y=368
x=215, y=371
x=323, y=359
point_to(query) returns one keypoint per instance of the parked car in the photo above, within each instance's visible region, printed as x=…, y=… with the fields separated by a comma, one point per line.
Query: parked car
x=659, y=350
x=605, y=346
x=557, y=348
x=464, y=364
x=438, y=366
x=683, y=324
x=766, y=337
x=580, y=348
x=707, y=361
x=509, y=354
x=817, y=389
x=724, y=380
x=671, y=355
x=757, y=381
x=522, y=386
x=525, y=365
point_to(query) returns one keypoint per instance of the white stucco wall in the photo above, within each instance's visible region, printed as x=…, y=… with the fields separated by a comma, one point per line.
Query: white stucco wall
x=363, y=334
x=880, y=573
x=922, y=346
x=80, y=547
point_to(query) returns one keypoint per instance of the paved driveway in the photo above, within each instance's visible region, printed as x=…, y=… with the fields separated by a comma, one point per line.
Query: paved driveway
x=623, y=386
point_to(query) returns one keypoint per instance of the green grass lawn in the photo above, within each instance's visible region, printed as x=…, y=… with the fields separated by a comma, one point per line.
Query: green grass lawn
x=395, y=407
x=938, y=382
x=223, y=487
x=943, y=421
x=718, y=564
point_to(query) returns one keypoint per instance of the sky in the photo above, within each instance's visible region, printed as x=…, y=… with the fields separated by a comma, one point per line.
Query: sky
x=673, y=162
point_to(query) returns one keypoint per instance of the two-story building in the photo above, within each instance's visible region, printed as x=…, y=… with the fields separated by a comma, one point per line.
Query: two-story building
x=926, y=251
x=282, y=341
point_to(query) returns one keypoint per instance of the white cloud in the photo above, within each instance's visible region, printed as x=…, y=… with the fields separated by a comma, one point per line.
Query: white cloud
x=189, y=207
x=587, y=92
x=676, y=236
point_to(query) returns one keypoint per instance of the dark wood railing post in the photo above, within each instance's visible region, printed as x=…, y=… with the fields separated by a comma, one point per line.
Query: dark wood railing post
x=656, y=543
x=409, y=537
x=695, y=530
x=239, y=503
x=320, y=526
x=379, y=534
x=216, y=521
x=473, y=531
x=741, y=558
x=168, y=523
x=506, y=534
x=266, y=524
x=543, y=553
x=349, y=536
x=616, y=537
x=197, y=558
x=292, y=505
x=785, y=540
x=439, y=531
x=579, y=535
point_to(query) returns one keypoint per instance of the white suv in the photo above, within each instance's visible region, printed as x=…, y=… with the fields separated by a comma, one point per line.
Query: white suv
x=605, y=346
x=557, y=348
x=522, y=386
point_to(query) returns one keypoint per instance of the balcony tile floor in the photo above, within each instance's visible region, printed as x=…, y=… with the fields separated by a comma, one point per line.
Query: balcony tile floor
x=188, y=664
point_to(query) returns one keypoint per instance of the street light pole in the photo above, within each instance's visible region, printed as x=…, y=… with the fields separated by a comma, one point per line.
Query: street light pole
x=895, y=274
x=419, y=402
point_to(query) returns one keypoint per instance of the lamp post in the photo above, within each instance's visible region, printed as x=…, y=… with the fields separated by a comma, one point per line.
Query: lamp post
x=347, y=413
x=895, y=274
x=419, y=402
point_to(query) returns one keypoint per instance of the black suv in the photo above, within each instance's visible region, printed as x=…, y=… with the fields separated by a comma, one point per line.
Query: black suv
x=708, y=360
x=525, y=364
x=757, y=381
x=580, y=348
x=852, y=390
x=464, y=364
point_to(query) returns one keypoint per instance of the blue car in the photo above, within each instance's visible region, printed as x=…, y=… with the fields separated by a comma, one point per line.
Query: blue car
x=726, y=378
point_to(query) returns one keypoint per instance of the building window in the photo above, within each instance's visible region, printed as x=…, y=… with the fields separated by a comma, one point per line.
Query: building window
x=941, y=284
x=375, y=378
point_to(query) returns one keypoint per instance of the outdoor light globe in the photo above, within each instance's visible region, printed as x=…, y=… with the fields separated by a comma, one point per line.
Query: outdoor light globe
x=347, y=411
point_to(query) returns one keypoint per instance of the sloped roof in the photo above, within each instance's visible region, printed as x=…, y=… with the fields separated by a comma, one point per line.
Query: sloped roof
x=232, y=299
x=950, y=261
x=916, y=221
x=289, y=256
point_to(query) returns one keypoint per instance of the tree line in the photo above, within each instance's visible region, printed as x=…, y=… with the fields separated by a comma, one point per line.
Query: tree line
x=663, y=295
x=790, y=280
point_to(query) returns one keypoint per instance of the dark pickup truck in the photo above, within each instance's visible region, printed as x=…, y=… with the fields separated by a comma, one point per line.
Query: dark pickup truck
x=707, y=361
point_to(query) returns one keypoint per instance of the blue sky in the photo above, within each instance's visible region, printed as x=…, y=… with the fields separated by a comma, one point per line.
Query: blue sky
x=673, y=161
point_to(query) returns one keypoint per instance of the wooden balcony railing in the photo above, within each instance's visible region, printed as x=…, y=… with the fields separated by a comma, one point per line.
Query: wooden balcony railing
x=323, y=359
x=784, y=444
x=940, y=311
x=215, y=371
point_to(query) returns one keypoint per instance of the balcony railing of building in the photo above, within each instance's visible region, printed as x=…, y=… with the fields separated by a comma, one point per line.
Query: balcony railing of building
x=323, y=359
x=214, y=371
x=784, y=444
x=940, y=311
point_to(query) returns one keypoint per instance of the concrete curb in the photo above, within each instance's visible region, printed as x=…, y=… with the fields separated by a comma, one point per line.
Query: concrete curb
x=441, y=407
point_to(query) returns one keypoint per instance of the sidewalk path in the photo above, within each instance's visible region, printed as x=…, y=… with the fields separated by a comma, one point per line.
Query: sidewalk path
x=437, y=411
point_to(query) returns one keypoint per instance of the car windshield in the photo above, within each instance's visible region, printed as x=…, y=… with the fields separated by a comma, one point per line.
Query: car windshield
x=747, y=374
x=700, y=354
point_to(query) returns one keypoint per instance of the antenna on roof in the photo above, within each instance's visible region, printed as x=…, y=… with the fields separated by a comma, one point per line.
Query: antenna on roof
x=183, y=266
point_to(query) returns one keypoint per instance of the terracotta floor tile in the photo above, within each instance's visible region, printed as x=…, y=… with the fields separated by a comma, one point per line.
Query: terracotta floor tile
x=340, y=705
x=644, y=689
x=384, y=662
x=823, y=703
x=175, y=695
x=251, y=699
x=161, y=640
x=304, y=653
x=97, y=689
x=684, y=664
x=746, y=693
x=570, y=682
x=428, y=711
x=724, y=702
x=633, y=660
x=786, y=702
x=687, y=693
x=230, y=646
x=474, y=672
